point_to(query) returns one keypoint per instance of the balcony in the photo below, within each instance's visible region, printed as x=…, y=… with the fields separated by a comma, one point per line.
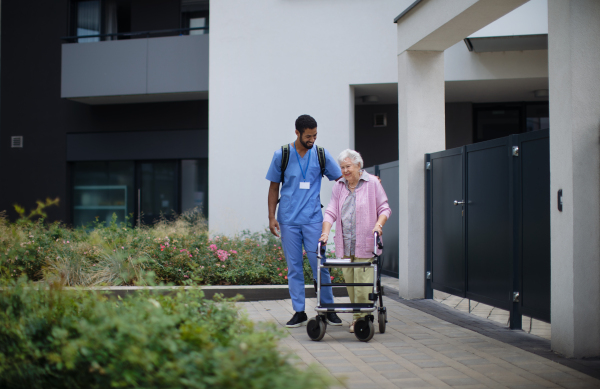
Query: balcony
x=148, y=69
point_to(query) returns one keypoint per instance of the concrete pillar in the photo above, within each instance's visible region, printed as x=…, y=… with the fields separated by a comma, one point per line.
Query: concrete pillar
x=421, y=130
x=574, y=77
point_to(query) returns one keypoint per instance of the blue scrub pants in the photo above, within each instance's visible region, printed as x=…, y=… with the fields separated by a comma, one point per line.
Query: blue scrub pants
x=292, y=238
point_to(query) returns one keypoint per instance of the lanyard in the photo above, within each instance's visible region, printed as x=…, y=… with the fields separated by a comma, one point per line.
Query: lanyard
x=299, y=164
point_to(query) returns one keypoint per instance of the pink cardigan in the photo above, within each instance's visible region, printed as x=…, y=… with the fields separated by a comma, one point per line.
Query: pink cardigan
x=371, y=202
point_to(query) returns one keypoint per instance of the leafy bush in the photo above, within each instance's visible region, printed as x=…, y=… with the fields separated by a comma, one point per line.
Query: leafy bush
x=176, y=251
x=51, y=338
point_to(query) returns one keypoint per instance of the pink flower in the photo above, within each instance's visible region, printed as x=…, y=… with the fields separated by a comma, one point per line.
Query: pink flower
x=68, y=241
x=279, y=248
x=257, y=245
x=331, y=278
x=285, y=269
x=279, y=259
x=182, y=250
x=190, y=255
x=277, y=268
x=280, y=273
x=233, y=251
x=222, y=254
x=212, y=247
x=123, y=248
x=186, y=276
x=286, y=277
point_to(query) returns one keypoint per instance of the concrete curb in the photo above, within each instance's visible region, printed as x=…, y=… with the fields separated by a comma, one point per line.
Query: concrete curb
x=249, y=292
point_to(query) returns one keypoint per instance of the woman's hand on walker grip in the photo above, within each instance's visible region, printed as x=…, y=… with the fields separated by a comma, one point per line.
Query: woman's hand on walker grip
x=378, y=229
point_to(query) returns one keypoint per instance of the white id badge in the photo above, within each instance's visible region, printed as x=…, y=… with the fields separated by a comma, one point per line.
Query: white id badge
x=304, y=185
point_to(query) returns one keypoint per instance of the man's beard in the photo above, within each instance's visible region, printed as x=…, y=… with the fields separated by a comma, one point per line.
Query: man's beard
x=306, y=145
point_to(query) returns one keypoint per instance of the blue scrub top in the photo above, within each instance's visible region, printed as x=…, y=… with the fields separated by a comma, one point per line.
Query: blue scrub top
x=301, y=206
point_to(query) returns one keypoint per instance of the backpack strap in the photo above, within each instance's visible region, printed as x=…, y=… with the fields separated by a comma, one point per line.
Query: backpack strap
x=285, y=158
x=322, y=160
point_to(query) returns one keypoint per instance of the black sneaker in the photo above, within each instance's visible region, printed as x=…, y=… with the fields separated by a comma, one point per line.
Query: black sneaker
x=333, y=319
x=299, y=319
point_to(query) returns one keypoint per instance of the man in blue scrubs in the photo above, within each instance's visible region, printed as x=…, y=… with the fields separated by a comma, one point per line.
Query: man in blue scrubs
x=299, y=217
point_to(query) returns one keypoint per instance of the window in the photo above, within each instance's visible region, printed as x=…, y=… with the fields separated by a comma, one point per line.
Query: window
x=496, y=120
x=138, y=189
x=87, y=18
x=194, y=14
x=99, y=17
x=194, y=185
x=101, y=189
x=538, y=117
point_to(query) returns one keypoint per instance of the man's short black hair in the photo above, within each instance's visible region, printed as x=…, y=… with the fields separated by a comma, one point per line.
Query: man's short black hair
x=305, y=121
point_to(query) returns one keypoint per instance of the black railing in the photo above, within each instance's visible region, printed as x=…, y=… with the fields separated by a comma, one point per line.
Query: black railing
x=140, y=34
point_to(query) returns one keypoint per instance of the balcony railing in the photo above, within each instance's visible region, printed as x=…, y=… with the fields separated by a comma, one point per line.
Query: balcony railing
x=135, y=35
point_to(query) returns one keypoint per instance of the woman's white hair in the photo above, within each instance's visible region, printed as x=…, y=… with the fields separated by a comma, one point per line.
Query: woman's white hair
x=354, y=157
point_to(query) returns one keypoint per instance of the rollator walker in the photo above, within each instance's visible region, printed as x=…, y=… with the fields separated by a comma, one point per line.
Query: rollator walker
x=364, y=328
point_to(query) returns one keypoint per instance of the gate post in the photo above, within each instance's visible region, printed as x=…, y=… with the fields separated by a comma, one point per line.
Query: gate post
x=428, y=227
x=514, y=169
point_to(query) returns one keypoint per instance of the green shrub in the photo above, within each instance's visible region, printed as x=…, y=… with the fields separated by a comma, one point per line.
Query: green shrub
x=176, y=251
x=52, y=338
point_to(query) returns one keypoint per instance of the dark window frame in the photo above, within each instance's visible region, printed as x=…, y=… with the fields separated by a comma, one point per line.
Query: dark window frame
x=521, y=106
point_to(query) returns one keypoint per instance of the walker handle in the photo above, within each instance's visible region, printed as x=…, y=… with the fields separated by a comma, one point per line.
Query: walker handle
x=377, y=242
x=321, y=250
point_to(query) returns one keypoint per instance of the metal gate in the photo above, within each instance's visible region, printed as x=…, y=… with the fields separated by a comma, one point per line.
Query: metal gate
x=488, y=224
x=390, y=180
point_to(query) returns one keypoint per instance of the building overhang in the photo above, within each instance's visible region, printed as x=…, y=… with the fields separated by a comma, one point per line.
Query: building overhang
x=507, y=43
x=436, y=25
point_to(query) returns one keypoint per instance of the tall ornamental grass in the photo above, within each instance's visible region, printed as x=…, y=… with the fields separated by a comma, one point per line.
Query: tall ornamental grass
x=175, y=251
x=53, y=338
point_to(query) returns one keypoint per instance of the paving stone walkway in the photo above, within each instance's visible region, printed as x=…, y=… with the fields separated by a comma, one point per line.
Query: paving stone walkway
x=501, y=316
x=419, y=350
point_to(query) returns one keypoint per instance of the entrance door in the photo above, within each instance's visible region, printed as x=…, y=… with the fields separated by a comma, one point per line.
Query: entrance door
x=447, y=222
x=158, y=190
x=489, y=228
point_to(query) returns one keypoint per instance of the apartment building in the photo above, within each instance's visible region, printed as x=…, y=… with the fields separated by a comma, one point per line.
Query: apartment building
x=147, y=107
x=106, y=107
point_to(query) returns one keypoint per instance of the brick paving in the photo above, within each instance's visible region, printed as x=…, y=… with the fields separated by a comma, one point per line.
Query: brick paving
x=427, y=345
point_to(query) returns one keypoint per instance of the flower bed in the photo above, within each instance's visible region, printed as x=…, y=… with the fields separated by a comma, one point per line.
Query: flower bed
x=178, y=252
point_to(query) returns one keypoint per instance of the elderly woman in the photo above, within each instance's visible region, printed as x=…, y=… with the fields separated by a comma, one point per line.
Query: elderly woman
x=359, y=207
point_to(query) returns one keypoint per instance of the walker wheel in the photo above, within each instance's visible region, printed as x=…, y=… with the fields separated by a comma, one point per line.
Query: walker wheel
x=315, y=328
x=382, y=319
x=364, y=329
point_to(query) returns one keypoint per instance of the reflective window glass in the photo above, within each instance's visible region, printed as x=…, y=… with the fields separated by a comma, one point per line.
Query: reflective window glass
x=89, y=17
x=194, y=185
x=101, y=189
